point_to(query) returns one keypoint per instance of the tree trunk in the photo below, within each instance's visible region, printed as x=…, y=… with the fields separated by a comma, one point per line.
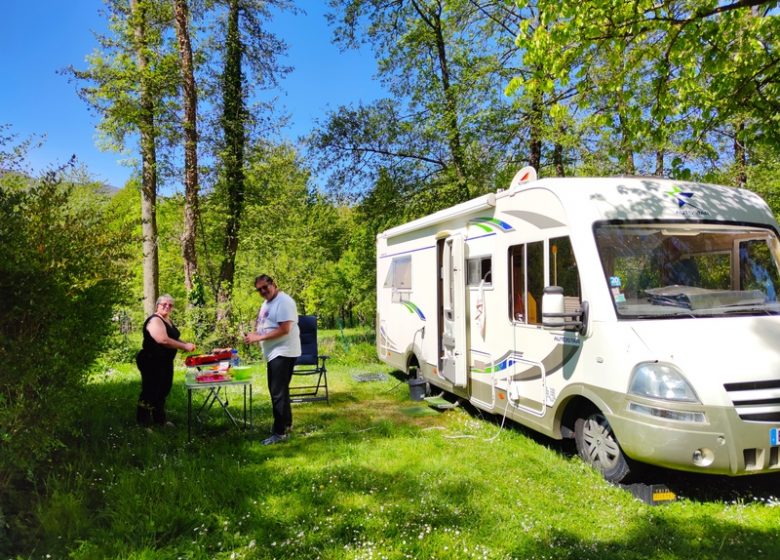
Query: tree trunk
x=626, y=150
x=432, y=19
x=535, y=135
x=151, y=267
x=190, y=98
x=740, y=156
x=558, y=160
x=233, y=123
x=659, y=163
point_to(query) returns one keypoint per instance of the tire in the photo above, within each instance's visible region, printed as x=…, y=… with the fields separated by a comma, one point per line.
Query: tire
x=598, y=447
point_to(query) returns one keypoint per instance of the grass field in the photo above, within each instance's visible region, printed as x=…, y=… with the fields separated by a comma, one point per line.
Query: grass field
x=370, y=475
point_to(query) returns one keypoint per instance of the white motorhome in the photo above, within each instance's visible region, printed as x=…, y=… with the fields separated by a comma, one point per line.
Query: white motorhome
x=639, y=316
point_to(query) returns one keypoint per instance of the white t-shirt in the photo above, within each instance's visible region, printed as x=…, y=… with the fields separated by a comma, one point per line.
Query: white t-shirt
x=279, y=310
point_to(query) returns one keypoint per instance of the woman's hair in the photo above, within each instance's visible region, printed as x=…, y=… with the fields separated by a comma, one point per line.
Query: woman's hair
x=162, y=298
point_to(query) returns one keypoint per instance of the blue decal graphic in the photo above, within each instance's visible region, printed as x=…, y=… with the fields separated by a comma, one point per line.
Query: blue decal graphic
x=413, y=309
x=682, y=197
x=487, y=224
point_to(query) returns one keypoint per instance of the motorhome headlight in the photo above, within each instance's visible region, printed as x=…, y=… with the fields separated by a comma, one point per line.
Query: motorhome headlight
x=657, y=380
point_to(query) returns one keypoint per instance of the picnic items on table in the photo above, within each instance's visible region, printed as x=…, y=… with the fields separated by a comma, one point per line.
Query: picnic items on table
x=218, y=365
x=197, y=360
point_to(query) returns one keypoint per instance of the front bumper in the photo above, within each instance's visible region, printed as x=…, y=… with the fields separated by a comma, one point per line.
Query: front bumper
x=723, y=444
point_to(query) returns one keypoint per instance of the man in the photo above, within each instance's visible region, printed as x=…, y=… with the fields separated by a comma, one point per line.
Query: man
x=277, y=331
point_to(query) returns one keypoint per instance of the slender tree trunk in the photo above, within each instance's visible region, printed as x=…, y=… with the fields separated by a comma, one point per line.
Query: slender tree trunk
x=558, y=160
x=740, y=156
x=233, y=123
x=626, y=150
x=432, y=18
x=659, y=163
x=190, y=98
x=535, y=135
x=151, y=267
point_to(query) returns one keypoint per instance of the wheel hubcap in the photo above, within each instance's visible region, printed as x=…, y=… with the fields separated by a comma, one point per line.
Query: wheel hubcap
x=600, y=445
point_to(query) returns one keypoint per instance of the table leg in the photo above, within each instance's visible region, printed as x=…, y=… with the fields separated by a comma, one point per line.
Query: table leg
x=189, y=414
x=244, y=406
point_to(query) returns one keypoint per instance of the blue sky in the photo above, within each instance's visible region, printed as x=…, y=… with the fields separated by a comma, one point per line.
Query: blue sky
x=40, y=37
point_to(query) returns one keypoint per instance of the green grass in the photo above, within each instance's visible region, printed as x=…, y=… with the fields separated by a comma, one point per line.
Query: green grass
x=370, y=475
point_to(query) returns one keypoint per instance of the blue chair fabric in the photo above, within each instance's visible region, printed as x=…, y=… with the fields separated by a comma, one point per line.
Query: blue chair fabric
x=310, y=367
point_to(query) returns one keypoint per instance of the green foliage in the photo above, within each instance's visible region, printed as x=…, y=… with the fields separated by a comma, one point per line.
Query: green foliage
x=114, y=82
x=432, y=134
x=58, y=284
x=686, y=80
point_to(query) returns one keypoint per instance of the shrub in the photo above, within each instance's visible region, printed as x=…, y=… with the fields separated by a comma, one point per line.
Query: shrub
x=58, y=286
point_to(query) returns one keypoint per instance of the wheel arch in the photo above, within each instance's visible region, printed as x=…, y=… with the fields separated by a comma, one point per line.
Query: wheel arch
x=575, y=407
x=578, y=401
x=412, y=361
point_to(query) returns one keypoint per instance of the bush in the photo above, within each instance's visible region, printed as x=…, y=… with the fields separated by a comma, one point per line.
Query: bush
x=58, y=286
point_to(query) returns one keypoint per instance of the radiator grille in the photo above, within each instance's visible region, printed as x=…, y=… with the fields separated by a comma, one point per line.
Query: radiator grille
x=756, y=401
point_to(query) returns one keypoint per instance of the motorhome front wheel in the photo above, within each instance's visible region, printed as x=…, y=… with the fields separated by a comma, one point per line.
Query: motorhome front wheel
x=597, y=446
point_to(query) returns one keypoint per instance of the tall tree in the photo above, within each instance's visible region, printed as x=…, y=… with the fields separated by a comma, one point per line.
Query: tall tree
x=234, y=122
x=434, y=135
x=249, y=61
x=190, y=126
x=131, y=82
x=148, y=145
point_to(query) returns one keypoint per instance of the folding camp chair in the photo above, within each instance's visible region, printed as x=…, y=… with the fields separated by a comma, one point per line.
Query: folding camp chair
x=310, y=366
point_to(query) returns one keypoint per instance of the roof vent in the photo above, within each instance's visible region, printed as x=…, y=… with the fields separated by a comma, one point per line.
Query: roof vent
x=525, y=175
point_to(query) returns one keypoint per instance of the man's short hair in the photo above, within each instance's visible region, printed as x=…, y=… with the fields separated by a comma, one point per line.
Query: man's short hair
x=264, y=278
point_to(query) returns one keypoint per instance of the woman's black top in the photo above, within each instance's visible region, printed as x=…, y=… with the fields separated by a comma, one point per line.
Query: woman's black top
x=155, y=350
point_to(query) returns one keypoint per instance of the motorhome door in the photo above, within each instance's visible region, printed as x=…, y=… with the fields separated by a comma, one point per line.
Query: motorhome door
x=452, y=344
x=541, y=353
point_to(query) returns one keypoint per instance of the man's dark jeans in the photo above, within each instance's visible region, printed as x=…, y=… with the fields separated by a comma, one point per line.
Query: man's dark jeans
x=280, y=371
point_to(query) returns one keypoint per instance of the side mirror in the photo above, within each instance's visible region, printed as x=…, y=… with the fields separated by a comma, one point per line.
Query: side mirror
x=553, y=307
x=555, y=316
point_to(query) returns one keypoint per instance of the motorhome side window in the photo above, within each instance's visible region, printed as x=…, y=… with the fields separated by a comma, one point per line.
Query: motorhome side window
x=682, y=270
x=399, y=277
x=526, y=266
x=479, y=271
x=564, y=272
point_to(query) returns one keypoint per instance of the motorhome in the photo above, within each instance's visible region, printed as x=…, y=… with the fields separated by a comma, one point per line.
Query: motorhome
x=638, y=316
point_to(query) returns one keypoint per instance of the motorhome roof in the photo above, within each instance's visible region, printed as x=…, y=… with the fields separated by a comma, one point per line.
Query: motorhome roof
x=650, y=198
x=619, y=198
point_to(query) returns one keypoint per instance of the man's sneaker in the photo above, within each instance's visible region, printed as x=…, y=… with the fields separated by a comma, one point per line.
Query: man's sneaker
x=274, y=438
x=287, y=430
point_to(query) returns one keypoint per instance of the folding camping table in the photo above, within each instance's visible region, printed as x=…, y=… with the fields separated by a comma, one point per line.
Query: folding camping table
x=217, y=392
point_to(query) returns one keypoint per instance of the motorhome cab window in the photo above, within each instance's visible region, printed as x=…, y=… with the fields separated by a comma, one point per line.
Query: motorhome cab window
x=564, y=273
x=526, y=266
x=479, y=271
x=399, y=277
x=680, y=270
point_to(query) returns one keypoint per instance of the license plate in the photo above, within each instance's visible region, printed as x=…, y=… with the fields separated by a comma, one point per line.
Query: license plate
x=774, y=436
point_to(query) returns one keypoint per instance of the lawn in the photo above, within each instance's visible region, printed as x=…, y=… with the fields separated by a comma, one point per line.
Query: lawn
x=370, y=475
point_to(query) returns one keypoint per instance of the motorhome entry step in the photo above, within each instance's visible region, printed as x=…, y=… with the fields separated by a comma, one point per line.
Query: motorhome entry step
x=651, y=494
x=440, y=403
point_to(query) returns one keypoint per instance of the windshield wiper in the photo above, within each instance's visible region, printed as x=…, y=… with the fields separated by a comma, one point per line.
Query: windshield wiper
x=748, y=311
x=677, y=300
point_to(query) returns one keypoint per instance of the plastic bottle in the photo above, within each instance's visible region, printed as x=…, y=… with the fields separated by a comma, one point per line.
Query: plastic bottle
x=234, y=359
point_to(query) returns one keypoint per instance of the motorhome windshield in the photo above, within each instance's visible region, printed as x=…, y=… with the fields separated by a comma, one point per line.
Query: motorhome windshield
x=678, y=270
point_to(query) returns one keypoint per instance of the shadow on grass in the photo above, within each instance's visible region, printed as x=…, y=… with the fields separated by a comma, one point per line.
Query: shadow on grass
x=693, y=486
x=355, y=476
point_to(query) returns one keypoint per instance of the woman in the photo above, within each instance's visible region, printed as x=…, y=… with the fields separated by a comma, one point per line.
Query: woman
x=155, y=362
